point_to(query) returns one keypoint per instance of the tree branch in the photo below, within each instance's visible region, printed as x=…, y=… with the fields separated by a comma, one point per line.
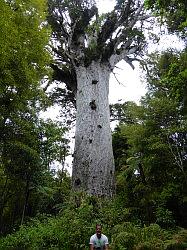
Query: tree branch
x=125, y=43
x=115, y=58
x=65, y=75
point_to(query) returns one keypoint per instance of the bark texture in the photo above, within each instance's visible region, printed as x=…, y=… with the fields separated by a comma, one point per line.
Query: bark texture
x=87, y=47
x=93, y=167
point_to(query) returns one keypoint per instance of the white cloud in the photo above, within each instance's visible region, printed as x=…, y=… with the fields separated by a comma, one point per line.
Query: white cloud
x=105, y=6
x=128, y=86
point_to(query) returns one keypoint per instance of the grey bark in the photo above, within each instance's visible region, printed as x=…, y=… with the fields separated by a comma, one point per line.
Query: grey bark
x=93, y=167
x=86, y=56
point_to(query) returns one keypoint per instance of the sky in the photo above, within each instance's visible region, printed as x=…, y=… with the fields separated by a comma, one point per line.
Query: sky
x=128, y=86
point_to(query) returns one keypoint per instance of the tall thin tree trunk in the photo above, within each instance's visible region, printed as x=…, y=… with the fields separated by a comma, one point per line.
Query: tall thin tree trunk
x=142, y=173
x=93, y=167
x=2, y=203
x=26, y=202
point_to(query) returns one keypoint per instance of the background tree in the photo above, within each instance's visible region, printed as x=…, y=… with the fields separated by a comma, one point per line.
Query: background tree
x=27, y=144
x=173, y=13
x=87, y=46
x=153, y=162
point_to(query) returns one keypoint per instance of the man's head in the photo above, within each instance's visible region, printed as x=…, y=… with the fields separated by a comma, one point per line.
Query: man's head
x=98, y=230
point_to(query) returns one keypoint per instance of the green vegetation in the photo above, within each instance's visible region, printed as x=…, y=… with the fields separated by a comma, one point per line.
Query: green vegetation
x=74, y=225
x=38, y=210
x=28, y=145
x=173, y=13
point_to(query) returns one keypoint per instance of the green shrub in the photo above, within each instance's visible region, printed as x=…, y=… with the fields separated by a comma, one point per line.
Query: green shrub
x=124, y=239
x=164, y=217
x=173, y=245
x=178, y=241
x=72, y=228
x=146, y=246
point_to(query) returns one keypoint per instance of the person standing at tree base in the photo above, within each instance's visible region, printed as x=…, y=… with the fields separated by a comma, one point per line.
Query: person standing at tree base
x=99, y=241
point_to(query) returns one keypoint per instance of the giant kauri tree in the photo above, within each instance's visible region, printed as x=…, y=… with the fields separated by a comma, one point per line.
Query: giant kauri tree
x=86, y=47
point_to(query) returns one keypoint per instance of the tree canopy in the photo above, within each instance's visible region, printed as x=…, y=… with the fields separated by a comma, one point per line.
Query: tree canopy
x=174, y=13
x=25, y=143
x=81, y=35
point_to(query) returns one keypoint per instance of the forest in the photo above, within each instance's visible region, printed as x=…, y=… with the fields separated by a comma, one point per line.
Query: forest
x=133, y=180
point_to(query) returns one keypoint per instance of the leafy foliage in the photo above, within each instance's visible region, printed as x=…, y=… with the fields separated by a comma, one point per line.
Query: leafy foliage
x=28, y=145
x=152, y=156
x=75, y=224
x=173, y=12
x=83, y=36
x=150, y=143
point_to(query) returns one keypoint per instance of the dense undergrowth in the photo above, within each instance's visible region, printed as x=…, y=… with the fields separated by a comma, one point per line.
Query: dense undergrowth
x=75, y=223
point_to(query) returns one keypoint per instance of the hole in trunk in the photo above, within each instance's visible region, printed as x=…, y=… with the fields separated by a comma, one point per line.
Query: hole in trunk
x=93, y=105
x=90, y=140
x=77, y=182
x=99, y=126
x=94, y=82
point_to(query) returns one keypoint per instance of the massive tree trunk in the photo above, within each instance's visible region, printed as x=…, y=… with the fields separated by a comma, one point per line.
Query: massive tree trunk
x=87, y=47
x=93, y=167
